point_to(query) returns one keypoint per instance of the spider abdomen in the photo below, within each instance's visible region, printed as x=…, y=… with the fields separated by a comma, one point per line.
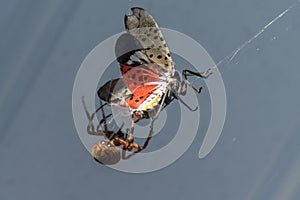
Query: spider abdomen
x=106, y=153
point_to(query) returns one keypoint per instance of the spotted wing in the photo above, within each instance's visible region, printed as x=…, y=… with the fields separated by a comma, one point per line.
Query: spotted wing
x=136, y=68
x=142, y=26
x=144, y=58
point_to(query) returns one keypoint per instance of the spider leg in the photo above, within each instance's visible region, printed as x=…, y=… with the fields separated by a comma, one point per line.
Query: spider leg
x=104, y=118
x=127, y=143
x=149, y=137
x=131, y=138
x=126, y=134
x=90, y=127
x=109, y=134
x=137, y=147
x=103, y=121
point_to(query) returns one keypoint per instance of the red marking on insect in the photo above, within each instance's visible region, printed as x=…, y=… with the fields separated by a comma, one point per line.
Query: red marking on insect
x=147, y=67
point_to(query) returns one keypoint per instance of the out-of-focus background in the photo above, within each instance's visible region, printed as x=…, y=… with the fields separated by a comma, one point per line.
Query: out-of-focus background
x=42, y=46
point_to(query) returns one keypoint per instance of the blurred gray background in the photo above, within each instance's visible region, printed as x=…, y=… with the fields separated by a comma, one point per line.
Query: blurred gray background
x=42, y=46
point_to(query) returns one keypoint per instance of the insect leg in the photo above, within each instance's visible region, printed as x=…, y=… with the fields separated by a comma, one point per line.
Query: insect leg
x=205, y=74
x=185, y=104
x=161, y=105
x=185, y=82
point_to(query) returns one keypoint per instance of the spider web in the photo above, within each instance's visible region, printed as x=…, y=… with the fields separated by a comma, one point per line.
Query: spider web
x=227, y=59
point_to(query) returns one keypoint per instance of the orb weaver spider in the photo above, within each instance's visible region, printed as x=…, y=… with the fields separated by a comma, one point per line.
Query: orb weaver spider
x=106, y=151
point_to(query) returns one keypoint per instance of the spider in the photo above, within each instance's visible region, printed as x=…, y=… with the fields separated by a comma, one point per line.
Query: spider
x=106, y=151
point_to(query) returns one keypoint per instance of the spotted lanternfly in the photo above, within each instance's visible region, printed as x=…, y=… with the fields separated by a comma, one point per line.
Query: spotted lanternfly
x=149, y=80
x=147, y=66
x=149, y=76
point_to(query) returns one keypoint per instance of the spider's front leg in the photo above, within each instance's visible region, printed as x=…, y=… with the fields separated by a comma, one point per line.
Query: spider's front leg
x=131, y=138
x=137, y=147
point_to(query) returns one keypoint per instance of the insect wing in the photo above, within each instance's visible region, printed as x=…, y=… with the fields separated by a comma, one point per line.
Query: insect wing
x=113, y=91
x=144, y=59
x=144, y=28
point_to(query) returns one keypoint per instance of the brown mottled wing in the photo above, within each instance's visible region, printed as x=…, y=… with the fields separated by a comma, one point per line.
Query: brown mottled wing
x=143, y=27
